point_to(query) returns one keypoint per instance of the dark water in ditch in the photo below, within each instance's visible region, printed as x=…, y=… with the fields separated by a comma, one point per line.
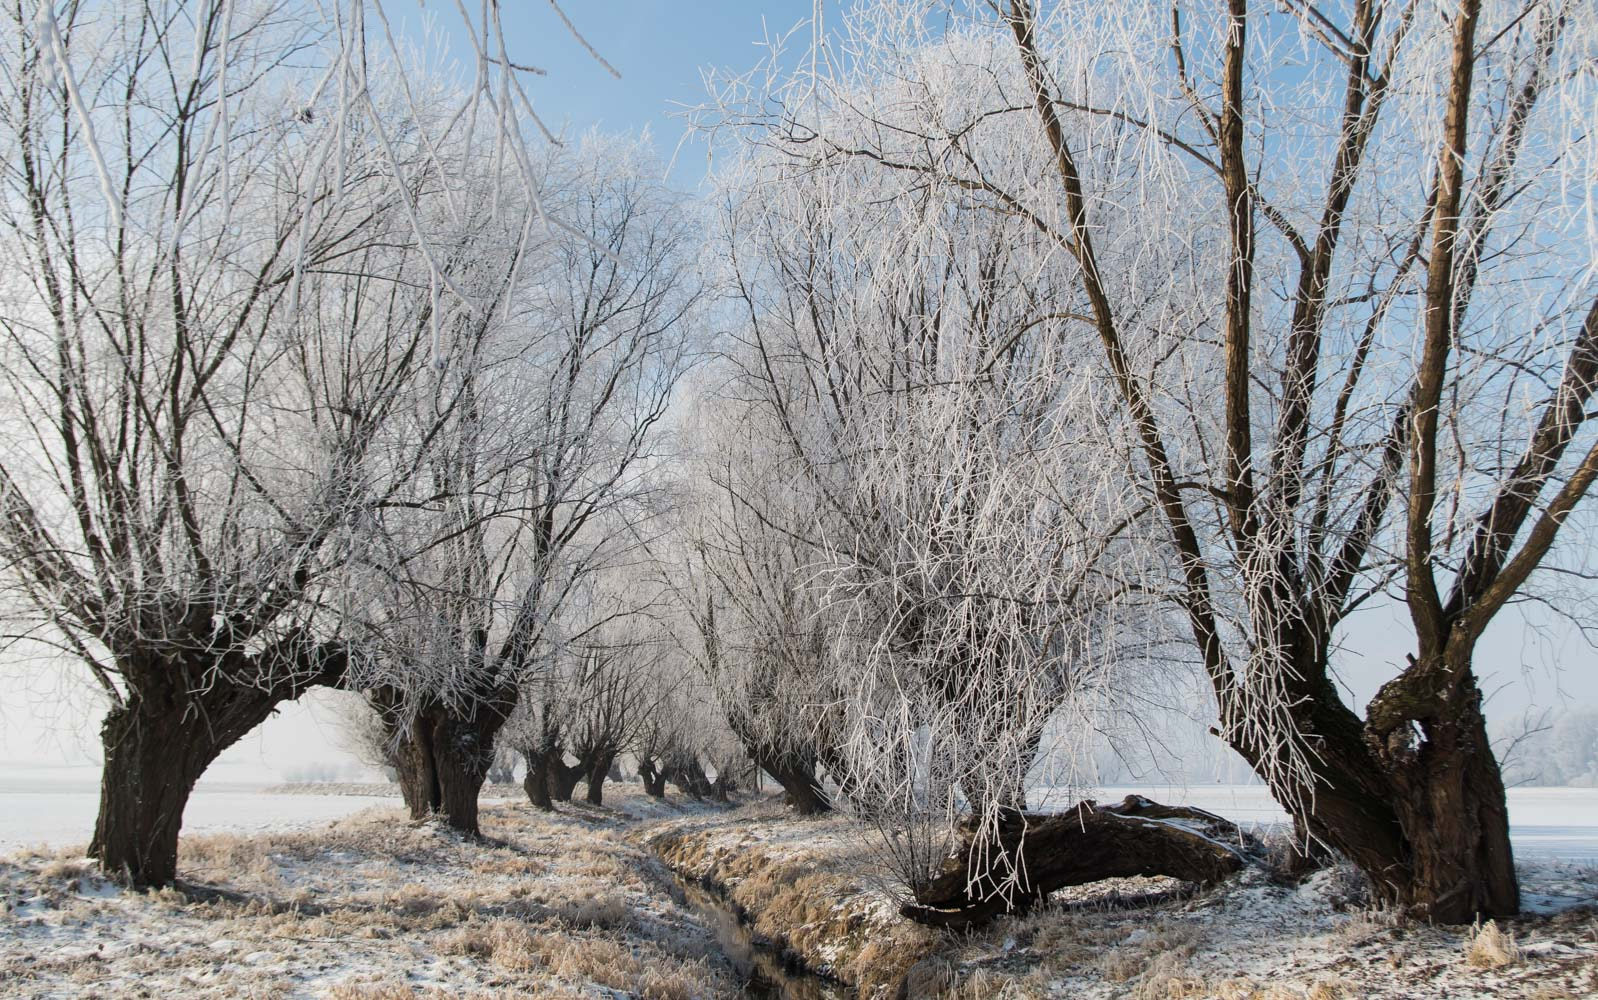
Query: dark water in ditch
x=766, y=975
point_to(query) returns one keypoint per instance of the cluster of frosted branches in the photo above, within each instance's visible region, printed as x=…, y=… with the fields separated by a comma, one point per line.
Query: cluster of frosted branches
x=537, y=479
x=746, y=612
x=189, y=447
x=944, y=534
x=1324, y=274
x=386, y=101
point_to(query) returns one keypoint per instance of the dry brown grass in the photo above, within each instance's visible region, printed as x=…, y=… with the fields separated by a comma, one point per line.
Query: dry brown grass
x=549, y=908
x=1490, y=947
x=383, y=990
x=507, y=944
x=1162, y=945
x=801, y=899
x=391, y=989
x=1167, y=978
x=986, y=985
x=607, y=963
x=67, y=868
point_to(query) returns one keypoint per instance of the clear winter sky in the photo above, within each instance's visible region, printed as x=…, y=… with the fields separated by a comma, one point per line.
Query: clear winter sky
x=660, y=47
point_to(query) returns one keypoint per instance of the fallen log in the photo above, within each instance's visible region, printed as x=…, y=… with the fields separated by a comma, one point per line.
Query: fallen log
x=1086, y=843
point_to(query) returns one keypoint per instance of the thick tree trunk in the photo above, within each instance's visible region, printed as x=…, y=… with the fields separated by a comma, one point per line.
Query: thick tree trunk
x=444, y=755
x=152, y=760
x=794, y=771
x=654, y=780
x=178, y=719
x=686, y=772
x=536, y=780
x=1448, y=794
x=418, y=773
x=726, y=783
x=1452, y=807
x=801, y=788
x=563, y=777
x=1087, y=843
x=1412, y=795
x=598, y=771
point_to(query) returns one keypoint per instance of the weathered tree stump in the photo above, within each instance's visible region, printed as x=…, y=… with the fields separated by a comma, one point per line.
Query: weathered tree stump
x=1086, y=843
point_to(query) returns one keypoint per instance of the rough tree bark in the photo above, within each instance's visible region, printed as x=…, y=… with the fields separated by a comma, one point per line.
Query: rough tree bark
x=652, y=777
x=1087, y=843
x=563, y=777
x=796, y=774
x=793, y=770
x=687, y=772
x=1412, y=794
x=177, y=719
x=1428, y=732
x=444, y=754
x=536, y=781
x=597, y=770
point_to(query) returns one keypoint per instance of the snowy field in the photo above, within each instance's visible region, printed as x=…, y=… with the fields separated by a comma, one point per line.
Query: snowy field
x=42, y=806
x=578, y=903
x=1544, y=823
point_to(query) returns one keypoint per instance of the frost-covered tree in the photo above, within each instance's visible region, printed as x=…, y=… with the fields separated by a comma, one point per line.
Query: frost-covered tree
x=1335, y=264
x=205, y=348
x=542, y=475
x=1550, y=748
x=927, y=501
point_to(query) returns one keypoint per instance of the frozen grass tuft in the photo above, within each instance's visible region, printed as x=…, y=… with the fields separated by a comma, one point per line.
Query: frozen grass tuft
x=1490, y=947
x=1168, y=978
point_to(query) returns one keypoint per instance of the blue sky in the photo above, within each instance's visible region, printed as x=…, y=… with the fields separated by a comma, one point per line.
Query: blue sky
x=658, y=46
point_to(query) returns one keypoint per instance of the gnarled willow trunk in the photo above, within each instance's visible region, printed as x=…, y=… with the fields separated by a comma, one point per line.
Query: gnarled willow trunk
x=177, y=719
x=792, y=769
x=1427, y=730
x=1412, y=795
x=796, y=774
x=652, y=778
x=598, y=770
x=536, y=781
x=563, y=777
x=443, y=755
x=1032, y=855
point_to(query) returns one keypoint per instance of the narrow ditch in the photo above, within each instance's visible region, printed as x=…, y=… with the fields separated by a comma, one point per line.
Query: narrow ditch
x=769, y=973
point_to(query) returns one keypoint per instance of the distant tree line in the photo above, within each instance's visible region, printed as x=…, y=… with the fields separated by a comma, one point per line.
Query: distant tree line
x=1557, y=747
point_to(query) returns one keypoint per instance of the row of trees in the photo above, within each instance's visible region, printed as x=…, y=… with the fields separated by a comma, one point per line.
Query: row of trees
x=1076, y=358
x=314, y=376
x=610, y=699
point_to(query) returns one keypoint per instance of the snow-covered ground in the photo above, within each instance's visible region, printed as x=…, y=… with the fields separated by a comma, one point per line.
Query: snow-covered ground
x=45, y=806
x=54, y=806
x=374, y=907
x=576, y=904
x=1251, y=938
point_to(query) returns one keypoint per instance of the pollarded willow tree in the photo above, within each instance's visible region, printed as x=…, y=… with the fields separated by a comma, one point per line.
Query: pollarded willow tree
x=200, y=366
x=426, y=579
x=739, y=570
x=541, y=476
x=955, y=516
x=1338, y=264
